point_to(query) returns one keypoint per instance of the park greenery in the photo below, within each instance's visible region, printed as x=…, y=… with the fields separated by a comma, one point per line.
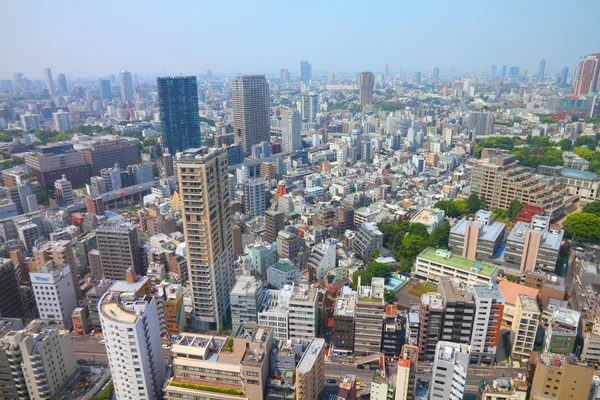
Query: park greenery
x=583, y=227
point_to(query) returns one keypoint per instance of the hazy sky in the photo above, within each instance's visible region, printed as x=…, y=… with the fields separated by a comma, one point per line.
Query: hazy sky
x=85, y=38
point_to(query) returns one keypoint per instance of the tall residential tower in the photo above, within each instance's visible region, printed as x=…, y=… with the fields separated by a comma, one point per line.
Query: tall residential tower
x=251, y=110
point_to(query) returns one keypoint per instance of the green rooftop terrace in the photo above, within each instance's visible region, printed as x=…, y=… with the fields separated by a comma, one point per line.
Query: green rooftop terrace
x=458, y=262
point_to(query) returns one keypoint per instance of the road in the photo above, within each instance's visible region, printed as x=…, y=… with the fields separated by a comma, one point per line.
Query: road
x=91, y=350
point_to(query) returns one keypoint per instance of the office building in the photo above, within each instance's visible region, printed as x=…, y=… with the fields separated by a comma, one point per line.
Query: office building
x=246, y=297
x=449, y=374
x=273, y=224
x=119, y=247
x=254, y=198
x=586, y=75
x=51, y=162
x=11, y=304
x=105, y=89
x=561, y=333
x=49, y=81
x=262, y=256
x=106, y=153
x=459, y=307
x=481, y=123
x=368, y=239
x=393, y=332
x=310, y=371
x=291, y=126
x=533, y=245
x=30, y=122
x=64, y=191
x=418, y=78
x=59, y=252
x=126, y=86
x=309, y=106
x=478, y=238
x=283, y=273
x=136, y=364
x=501, y=180
x=342, y=338
x=251, y=110
x=142, y=173
x=322, y=259
x=555, y=376
x=503, y=389
x=406, y=382
x=368, y=317
x=61, y=84
x=431, y=315
x=62, y=121
x=524, y=327
x=436, y=74
x=303, y=312
x=284, y=76
x=485, y=336
x=366, y=82
x=289, y=245
x=432, y=264
x=305, y=71
x=203, y=179
x=180, y=121
x=54, y=293
x=541, y=70
x=564, y=75
x=12, y=381
x=274, y=311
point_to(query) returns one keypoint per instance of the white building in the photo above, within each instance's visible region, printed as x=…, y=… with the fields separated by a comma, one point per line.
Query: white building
x=489, y=305
x=282, y=273
x=62, y=121
x=303, y=312
x=274, y=311
x=291, y=127
x=246, y=297
x=322, y=259
x=30, y=122
x=133, y=344
x=309, y=106
x=54, y=294
x=449, y=371
x=254, y=198
x=64, y=190
x=142, y=173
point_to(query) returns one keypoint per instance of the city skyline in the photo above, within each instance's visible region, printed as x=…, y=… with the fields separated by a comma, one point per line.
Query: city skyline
x=254, y=43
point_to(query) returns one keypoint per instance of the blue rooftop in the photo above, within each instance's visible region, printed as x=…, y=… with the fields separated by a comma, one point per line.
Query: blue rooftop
x=577, y=174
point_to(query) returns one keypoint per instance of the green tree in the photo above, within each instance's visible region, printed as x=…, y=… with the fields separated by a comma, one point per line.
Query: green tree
x=582, y=227
x=494, y=142
x=473, y=203
x=388, y=296
x=365, y=279
x=412, y=245
x=440, y=235
x=583, y=152
x=565, y=145
x=482, y=202
x=587, y=141
x=592, y=208
x=418, y=229
x=513, y=209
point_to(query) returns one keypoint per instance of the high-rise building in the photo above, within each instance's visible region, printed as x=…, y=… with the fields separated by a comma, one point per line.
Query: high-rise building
x=385, y=71
x=203, y=179
x=305, y=71
x=284, y=76
x=494, y=70
x=449, y=374
x=178, y=101
x=503, y=71
x=564, y=75
x=136, y=363
x=273, y=224
x=254, y=198
x=586, y=76
x=368, y=317
x=11, y=304
x=107, y=153
x=310, y=371
x=366, y=82
x=105, y=89
x=59, y=252
x=555, y=376
x=251, y=110
x=406, y=383
x=431, y=316
x=62, y=121
x=489, y=306
x=436, y=74
x=481, y=123
x=126, y=86
x=54, y=294
x=246, y=298
x=291, y=126
x=418, y=78
x=309, y=106
x=62, y=83
x=524, y=326
x=30, y=122
x=459, y=310
x=541, y=70
x=49, y=81
x=119, y=247
x=64, y=190
x=342, y=340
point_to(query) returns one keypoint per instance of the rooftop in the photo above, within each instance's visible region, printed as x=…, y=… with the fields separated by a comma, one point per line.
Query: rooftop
x=490, y=291
x=454, y=261
x=577, y=174
x=284, y=265
x=124, y=307
x=486, y=232
x=511, y=291
x=528, y=303
x=428, y=216
x=345, y=306
x=454, y=290
x=449, y=350
x=550, y=239
x=311, y=355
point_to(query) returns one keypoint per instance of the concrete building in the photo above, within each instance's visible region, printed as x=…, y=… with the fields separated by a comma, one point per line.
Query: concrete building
x=119, y=247
x=432, y=263
x=561, y=334
x=203, y=179
x=481, y=123
x=573, y=161
x=142, y=173
x=30, y=122
x=136, y=364
x=524, y=327
x=586, y=75
x=485, y=337
x=477, y=239
x=246, y=297
x=12, y=381
x=54, y=293
x=310, y=371
x=449, y=374
x=368, y=239
x=368, y=317
x=533, y=245
x=406, y=382
x=174, y=309
x=366, y=82
x=62, y=121
x=303, y=312
x=254, y=198
x=504, y=389
x=393, y=332
x=251, y=110
x=51, y=162
x=49, y=81
x=274, y=312
x=92, y=298
x=309, y=107
x=412, y=327
x=106, y=153
x=126, y=86
x=431, y=315
x=64, y=190
x=459, y=314
x=322, y=259
x=430, y=217
x=555, y=376
x=591, y=348
x=273, y=224
x=343, y=324
x=381, y=388
x=59, y=252
x=283, y=273
x=291, y=127
x=289, y=245
x=262, y=255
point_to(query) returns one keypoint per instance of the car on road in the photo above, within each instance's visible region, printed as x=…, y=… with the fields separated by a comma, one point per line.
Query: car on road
x=420, y=370
x=331, y=380
x=360, y=366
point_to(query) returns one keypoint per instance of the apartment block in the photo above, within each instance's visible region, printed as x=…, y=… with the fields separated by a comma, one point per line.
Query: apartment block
x=412, y=327
x=60, y=252
x=289, y=245
x=368, y=317
x=54, y=293
x=273, y=224
x=310, y=371
x=303, y=312
x=246, y=297
x=322, y=259
x=561, y=333
x=406, y=382
x=432, y=263
x=393, y=337
x=119, y=247
x=274, y=312
x=554, y=376
x=533, y=245
x=476, y=239
x=368, y=239
x=449, y=375
x=343, y=324
x=485, y=337
x=459, y=310
x=11, y=303
x=431, y=314
x=524, y=327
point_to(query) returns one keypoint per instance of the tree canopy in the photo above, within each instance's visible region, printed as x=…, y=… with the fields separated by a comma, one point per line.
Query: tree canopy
x=588, y=141
x=513, y=209
x=440, y=235
x=592, y=208
x=583, y=152
x=495, y=142
x=453, y=208
x=583, y=227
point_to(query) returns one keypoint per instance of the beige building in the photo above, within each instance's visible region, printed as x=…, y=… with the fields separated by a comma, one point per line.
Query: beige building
x=557, y=376
x=524, y=327
x=204, y=191
x=60, y=252
x=366, y=82
x=251, y=110
x=310, y=371
x=500, y=179
x=406, y=375
x=504, y=389
x=221, y=368
x=368, y=317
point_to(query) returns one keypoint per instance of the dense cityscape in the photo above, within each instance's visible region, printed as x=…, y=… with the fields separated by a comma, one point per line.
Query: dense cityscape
x=385, y=234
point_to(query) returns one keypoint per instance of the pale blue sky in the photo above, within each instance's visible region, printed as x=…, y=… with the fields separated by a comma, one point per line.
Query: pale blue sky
x=85, y=38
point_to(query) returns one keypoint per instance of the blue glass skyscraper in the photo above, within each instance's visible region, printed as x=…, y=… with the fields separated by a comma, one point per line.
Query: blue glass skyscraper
x=105, y=89
x=178, y=101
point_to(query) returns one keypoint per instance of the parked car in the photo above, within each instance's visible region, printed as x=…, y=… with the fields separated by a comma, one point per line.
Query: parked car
x=331, y=380
x=360, y=366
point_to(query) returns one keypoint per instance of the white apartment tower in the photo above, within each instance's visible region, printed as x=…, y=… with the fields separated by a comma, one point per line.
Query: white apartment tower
x=254, y=198
x=64, y=190
x=309, y=106
x=449, y=371
x=62, y=121
x=204, y=191
x=291, y=130
x=251, y=110
x=133, y=344
x=54, y=294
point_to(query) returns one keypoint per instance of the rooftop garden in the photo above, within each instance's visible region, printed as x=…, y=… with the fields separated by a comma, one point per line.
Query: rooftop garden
x=206, y=388
x=228, y=345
